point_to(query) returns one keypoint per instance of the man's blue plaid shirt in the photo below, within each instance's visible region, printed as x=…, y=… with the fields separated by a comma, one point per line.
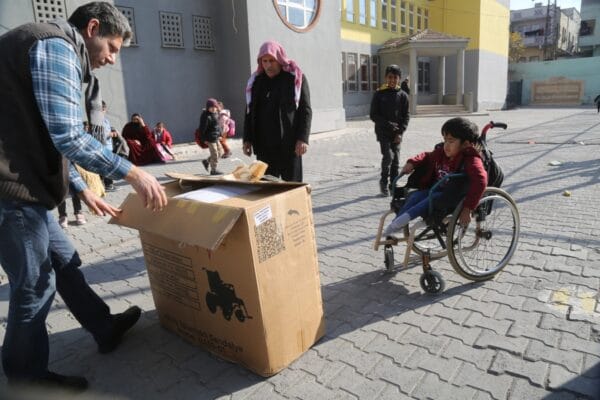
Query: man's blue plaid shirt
x=56, y=77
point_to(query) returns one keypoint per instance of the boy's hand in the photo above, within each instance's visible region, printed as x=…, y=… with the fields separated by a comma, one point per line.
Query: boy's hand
x=398, y=139
x=465, y=217
x=408, y=168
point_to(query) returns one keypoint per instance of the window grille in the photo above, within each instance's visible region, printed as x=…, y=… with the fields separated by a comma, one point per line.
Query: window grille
x=203, y=37
x=47, y=10
x=128, y=13
x=171, y=31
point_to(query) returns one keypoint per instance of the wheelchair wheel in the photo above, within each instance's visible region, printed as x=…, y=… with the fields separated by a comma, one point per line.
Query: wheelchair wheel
x=388, y=253
x=482, y=249
x=239, y=314
x=427, y=242
x=432, y=282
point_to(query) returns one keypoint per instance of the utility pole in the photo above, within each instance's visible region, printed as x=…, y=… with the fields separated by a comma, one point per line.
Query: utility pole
x=546, y=31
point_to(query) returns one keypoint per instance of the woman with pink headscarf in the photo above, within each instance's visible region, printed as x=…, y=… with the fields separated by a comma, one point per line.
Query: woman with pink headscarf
x=278, y=113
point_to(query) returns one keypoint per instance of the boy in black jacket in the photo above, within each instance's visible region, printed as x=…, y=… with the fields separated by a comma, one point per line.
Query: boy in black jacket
x=389, y=111
x=210, y=133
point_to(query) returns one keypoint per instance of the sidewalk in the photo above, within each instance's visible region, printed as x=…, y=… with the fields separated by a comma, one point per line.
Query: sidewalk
x=531, y=333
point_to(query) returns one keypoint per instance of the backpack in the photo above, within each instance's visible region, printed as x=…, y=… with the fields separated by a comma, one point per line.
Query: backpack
x=494, y=172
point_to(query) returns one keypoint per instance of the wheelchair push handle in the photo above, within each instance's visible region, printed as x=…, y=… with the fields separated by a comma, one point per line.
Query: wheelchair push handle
x=492, y=125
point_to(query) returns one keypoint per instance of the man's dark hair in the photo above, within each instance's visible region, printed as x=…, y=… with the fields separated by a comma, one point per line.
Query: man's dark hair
x=135, y=115
x=462, y=129
x=393, y=69
x=112, y=21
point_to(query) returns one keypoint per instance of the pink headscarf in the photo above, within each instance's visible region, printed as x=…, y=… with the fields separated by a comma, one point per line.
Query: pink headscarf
x=274, y=49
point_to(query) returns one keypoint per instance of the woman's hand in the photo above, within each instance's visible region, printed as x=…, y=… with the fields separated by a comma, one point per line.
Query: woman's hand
x=301, y=148
x=248, y=148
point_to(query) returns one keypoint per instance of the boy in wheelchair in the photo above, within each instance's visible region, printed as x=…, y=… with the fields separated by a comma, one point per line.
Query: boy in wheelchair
x=458, y=153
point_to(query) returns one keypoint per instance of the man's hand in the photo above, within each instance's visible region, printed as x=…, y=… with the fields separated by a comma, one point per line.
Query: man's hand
x=398, y=139
x=96, y=204
x=150, y=190
x=248, y=148
x=301, y=148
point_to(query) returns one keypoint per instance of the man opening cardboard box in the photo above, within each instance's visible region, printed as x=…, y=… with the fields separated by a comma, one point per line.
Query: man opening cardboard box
x=233, y=267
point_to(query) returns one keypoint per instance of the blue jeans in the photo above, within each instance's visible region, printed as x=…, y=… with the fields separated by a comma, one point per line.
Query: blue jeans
x=39, y=259
x=417, y=204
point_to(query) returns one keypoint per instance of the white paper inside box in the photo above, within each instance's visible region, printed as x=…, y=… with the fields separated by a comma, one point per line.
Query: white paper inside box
x=238, y=276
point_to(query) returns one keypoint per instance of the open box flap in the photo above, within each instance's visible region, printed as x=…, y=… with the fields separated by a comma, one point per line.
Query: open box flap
x=229, y=178
x=191, y=222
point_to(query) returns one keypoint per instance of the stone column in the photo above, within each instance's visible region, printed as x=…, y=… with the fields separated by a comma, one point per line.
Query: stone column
x=460, y=76
x=441, y=79
x=413, y=71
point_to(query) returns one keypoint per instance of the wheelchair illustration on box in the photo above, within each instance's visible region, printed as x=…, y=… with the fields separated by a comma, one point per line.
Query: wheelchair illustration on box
x=223, y=295
x=476, y=252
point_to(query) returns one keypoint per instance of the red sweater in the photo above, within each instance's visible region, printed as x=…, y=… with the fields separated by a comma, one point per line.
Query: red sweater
x=437, y=165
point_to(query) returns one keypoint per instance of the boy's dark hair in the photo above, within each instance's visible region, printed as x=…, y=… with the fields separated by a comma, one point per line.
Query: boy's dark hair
x=135, y=115
x=393, y=69
x=112, y=21
x=462, y=129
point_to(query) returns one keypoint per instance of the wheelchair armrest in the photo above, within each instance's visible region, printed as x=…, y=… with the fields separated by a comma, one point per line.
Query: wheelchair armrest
x=440, y=182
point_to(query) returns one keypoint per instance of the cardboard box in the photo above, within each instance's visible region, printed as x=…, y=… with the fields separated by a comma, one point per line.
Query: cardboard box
x=238, y=276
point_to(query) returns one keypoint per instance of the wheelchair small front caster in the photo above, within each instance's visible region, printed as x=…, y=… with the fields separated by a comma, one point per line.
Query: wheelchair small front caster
x=388, y=253
x=432, y=282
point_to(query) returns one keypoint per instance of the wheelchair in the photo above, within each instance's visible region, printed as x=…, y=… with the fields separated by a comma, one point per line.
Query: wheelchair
x=477, y=252
x=223, y=295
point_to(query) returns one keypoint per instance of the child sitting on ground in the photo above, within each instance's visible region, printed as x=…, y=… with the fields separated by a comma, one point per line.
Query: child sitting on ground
x=459, y=153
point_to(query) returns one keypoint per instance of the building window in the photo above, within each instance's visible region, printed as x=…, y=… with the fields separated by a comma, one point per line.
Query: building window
x=534, y=58
x=384, y=14
x=424, y=77
x=350, y=10
x=374, y=72
x=171, y=31
x=362, y=12
x=411, y=19
x=403, y=17
x=364, y=72
x=587, y=27
x=128, y=13
x=522, y=59
x=47, y=10
x=299, y=15
x=419, y=19
x=393, y=20
x=343, y=62
x=373, y=13
x=203, y=37
x=426, y=19
x=351, y=72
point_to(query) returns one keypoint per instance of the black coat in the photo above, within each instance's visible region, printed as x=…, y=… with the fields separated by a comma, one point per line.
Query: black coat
x=209, y=127
x=293, y=123
x=389, y=111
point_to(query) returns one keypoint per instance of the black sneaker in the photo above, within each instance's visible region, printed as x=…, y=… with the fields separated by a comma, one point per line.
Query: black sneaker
x=111, y=188
x=384, y=189
x=121, y=324
x=205, y=163
x=52, y=380
x=216, y=172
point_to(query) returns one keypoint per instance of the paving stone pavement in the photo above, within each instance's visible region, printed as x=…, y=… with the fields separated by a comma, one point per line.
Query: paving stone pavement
x=531, y=333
